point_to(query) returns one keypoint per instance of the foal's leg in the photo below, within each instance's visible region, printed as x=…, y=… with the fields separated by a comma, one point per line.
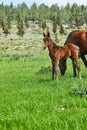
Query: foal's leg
x=76, y=63
x=56, y=70
x=53, y=70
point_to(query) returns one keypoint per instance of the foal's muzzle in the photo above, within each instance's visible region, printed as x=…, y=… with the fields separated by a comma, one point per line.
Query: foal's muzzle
x=44, y=47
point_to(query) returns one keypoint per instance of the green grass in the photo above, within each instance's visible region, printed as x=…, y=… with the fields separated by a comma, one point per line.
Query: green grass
x=30, y=100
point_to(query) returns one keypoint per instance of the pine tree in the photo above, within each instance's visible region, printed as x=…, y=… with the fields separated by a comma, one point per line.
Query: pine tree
x=20, y=28
x=6, y=30
x=44, y=25
x=61, y=29
x=54, y=26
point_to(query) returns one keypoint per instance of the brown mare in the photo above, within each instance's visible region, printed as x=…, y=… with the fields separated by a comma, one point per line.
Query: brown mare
x=58, y=53
x=79, y=38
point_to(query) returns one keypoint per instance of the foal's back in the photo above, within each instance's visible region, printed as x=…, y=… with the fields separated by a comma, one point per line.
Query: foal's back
x=69, y=50
x=71, y=47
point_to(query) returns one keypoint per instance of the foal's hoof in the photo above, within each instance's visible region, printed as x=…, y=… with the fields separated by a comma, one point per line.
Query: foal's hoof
x=79, y=77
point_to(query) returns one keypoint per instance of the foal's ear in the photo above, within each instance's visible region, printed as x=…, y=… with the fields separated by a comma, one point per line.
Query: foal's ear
x=44, y=34
x=48, y=34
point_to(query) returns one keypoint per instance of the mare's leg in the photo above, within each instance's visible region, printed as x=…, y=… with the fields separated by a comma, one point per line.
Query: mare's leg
x=77, y=65
x=84, y=60
x=74, y=69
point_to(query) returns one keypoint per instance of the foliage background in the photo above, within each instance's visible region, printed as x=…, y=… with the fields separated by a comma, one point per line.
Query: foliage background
x=29, y=99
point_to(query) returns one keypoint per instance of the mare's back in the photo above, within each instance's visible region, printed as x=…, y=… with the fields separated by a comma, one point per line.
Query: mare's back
x=78, y=37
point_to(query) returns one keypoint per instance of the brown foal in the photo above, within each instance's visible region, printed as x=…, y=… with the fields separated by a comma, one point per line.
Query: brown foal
x=58, y=53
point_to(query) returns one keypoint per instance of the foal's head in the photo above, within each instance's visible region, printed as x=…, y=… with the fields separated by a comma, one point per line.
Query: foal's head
x=46, y=40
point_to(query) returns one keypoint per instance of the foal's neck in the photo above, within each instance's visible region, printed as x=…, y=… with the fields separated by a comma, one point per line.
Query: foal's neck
x=51, y=46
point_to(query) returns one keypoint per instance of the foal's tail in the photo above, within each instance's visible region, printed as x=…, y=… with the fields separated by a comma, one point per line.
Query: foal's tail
x=79, y=52
x=77, y=47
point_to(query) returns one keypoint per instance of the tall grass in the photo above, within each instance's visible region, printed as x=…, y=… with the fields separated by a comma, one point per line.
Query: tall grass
x=30, y=100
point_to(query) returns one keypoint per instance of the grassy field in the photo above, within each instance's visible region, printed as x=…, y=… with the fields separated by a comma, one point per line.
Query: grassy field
x=29, y=99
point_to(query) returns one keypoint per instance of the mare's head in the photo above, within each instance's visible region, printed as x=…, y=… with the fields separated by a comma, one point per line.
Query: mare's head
x=62, y=67
x=46, y=40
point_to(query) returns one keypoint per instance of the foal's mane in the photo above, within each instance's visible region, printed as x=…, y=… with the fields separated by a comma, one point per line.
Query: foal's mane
x=52, y=41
